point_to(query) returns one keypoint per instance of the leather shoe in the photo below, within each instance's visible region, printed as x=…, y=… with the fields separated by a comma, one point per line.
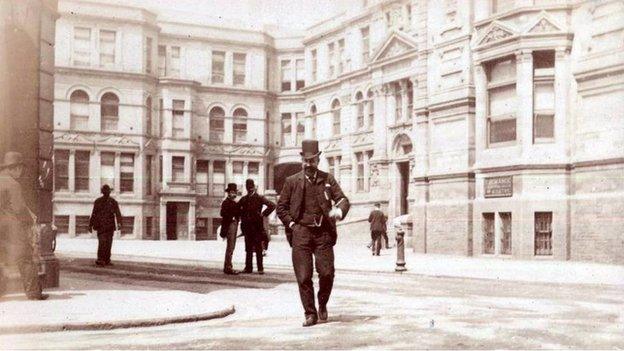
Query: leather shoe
x=231, y=272
x=310, y=320
x=322, y=314
x=247, y=271
x=261, y=272
x=38, y=297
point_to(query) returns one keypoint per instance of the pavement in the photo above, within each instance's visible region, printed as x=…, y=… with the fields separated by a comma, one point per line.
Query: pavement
x=80, y=304
x=350, y=256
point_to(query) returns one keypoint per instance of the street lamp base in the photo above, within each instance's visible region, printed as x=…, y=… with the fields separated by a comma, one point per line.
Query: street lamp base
x=400, y=269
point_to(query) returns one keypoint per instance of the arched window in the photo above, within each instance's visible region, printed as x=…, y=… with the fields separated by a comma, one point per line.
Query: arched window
x=216, y=116
x=109, y=111
x=371, y=108
x=335, y=106
x=79, y=110
x=148, y=116
x=240, y=125
x=359, y=98
x=313, y=113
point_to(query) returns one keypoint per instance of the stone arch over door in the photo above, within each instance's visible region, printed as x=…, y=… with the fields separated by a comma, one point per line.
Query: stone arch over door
x=399, y=174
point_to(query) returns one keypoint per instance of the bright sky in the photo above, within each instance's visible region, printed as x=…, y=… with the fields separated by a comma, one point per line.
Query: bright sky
x=295, y=14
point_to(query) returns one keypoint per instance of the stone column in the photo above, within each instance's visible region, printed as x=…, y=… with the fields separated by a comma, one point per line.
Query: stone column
x=228, y=172
x=246, y=171
x=480, y=81
x=262, y=182
x=404, y=113
x=162, y=225
x=210, y=177
x=95, y=172
x=71, y=172
x=191, y=221
x=166, y=160
x=524, y=92
x=414, y=82
x=228, y=66
x=309, y=127
x=562, y=68
x=391, y=102
x=379, y=162
x=71, y=229
x=228, y=132
x=117, y=182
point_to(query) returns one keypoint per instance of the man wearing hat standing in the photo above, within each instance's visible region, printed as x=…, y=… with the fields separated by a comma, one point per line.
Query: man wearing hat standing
x=230, y=214
x=105, y=212
x=252, y=224
x=310, y=203
x=16, y=232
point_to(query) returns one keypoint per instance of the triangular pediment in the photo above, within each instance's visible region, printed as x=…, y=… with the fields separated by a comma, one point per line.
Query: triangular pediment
x=395, y=45
x=544, y=23
x=495, y=32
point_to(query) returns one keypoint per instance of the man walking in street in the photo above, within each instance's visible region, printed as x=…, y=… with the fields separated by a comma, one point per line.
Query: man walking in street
x=310, y=203
x=377, y=220
x=252, y=224
x=230, y=214
x=105, y=212
x=17, y=238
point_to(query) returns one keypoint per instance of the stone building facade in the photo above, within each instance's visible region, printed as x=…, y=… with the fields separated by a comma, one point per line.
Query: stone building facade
x=492, y=123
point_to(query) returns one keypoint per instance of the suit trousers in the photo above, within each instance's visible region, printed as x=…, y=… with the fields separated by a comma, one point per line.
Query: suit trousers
x=105, y=243
x=231, y=244
x=309, y=242
x=20, y=253
x=253, y=243
x=377, y=234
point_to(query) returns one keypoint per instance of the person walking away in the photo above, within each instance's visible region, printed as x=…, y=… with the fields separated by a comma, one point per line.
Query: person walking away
x=252, y=224
x=377, y=220
x=17, y=237
x=105, y=213
x=230, y=214
x=310, y=203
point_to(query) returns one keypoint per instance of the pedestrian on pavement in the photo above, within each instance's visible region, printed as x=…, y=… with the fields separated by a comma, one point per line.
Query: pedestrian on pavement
x=17, y=235
x=230, y=214
x=377, y=220
x=310, y=203
x=252, y=224
x=105, y=213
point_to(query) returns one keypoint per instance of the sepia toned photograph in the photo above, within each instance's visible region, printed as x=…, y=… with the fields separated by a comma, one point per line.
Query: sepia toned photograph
x=311, y=174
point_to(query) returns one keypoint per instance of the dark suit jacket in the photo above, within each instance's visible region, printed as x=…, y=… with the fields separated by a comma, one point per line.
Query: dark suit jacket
x=250, y=207
x=291, y=200
x=105, y=211
x=229, y=213
x=377, y=221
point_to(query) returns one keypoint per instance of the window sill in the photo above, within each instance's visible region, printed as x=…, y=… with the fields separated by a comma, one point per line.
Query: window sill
x=502, y=144
x=543, y=141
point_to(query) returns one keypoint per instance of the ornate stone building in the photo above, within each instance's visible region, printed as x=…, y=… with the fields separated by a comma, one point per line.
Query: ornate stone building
x=492, y=123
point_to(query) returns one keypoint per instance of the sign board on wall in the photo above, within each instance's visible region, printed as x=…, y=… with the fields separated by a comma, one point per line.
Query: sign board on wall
x=498, y=186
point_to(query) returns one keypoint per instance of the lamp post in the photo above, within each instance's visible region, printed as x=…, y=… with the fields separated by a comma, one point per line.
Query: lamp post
x=399, y=227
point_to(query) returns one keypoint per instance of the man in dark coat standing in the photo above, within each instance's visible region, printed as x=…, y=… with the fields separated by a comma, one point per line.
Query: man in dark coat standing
x=377, y=220
x=105, y=212
x=252, y=224
x=230, y=214
x=310, y=203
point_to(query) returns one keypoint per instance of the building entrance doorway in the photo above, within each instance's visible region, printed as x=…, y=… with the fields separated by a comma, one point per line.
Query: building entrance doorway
x=177, y=220
x=403, y=168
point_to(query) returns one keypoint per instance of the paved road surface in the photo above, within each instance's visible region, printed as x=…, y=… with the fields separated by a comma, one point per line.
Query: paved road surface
x=366, y=311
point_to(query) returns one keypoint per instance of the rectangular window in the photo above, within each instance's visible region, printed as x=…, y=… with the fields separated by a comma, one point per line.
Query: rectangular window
x=162, y=60
x=240, y=131
x=201, y=177
x=62, y=224
x=127, y=225
x=218, y=66
x=82, y=225
x=359, y=158
x=201, y=229
x=61, y=170
x=332, y=59
x=543, y=233
x=502, y=101
x=216, y=129
x=148, y=55
x=300, y=74
x=107, y=47
x=149, y=160
x=82, y=46
x=253, y=171
x=286, y=129
x=286, y=75
x=178, y=118
x=239, y=68
x=336, y=121
x=218, y=178
x=342, y=57
x=107, y=168
x=149, y=227
x=127, y=173
x=160, y=168
x=543, y=96
x=175, y=61
x=506, y=233
x=237, y=174
x=300, y=118
x=314, y=65
x=81, y=170
x=488, y=233
x=365, y=44
x=177, y=169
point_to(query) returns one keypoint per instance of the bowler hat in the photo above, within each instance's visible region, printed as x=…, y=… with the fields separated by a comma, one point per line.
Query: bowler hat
x=106, y=188
x=231, y=187
x=309, y=148
x=249, y=184
x=12, y=158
